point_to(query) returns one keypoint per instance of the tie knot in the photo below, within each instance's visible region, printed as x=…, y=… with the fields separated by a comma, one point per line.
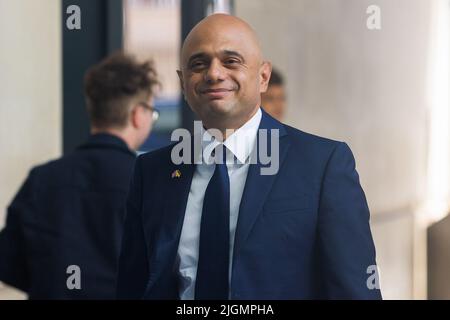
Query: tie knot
x=219, y=154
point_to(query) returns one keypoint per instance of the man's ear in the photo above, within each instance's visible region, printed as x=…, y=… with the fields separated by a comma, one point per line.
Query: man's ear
x=180, y=77
x=265, y=73
x=135, y=116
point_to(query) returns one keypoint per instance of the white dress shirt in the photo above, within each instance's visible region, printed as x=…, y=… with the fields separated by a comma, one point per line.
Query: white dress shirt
x=240, y=143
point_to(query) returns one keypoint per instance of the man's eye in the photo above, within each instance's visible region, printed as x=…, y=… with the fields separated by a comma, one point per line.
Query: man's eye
x=231, y=61
x=197, y=64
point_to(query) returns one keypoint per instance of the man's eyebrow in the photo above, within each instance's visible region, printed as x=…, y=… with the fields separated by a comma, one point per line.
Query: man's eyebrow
x=233, y=53
x=224, y=52
x=196, y=56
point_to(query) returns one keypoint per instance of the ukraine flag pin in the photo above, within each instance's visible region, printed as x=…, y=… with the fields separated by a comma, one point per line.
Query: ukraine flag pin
x=176, y=174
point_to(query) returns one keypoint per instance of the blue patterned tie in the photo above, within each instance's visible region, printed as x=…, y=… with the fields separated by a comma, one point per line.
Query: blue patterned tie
x=213, y=262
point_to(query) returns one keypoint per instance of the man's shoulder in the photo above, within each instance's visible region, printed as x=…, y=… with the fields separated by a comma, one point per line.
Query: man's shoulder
x=80, y=166
x=318, y=151
x=57, y=164
x=48, y=167
x=157, y=157
x=310, y=142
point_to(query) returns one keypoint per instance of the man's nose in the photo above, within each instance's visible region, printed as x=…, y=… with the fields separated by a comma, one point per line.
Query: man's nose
x=215, y=72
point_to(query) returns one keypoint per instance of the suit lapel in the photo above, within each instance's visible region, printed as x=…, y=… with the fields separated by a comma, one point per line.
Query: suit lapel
x=175, y=206
x=177, y=187
x=257, y=186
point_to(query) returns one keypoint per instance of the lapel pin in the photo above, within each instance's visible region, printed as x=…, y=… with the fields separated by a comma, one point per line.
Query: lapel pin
x=176, y=174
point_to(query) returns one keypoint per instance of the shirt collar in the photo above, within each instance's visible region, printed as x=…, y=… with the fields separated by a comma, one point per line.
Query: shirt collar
x=240, y=143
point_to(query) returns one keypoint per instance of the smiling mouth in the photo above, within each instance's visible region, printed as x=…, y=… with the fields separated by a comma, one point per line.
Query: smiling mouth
x=216, y=93
x=216, y=90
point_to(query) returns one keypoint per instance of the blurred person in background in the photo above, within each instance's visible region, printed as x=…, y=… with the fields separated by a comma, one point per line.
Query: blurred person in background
x=64, y=227
x=274, y=99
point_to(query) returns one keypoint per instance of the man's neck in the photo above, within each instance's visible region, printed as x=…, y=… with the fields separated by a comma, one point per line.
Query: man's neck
x=227, y=129
x=121, y=134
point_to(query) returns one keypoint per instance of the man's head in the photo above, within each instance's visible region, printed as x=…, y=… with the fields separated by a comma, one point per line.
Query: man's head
x=119, y=93
x=274, y=99
x=223, y=72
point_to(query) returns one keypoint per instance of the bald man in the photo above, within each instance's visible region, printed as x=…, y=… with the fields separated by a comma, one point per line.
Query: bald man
x=225, y=223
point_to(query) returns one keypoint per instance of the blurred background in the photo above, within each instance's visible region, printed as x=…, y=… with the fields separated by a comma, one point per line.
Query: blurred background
x=383, y=90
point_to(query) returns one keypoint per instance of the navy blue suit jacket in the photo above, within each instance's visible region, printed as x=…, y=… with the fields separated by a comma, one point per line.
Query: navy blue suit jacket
x=69, y=212
x=301, y=234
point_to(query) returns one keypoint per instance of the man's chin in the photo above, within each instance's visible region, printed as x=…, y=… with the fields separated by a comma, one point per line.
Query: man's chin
x=219, y=108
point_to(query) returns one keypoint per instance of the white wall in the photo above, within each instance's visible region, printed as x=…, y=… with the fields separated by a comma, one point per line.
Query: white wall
x=30, y=92
x=367, y=88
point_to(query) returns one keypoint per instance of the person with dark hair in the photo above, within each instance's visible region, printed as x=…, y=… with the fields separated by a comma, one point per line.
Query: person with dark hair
x=274, y=99
x=64, y=227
